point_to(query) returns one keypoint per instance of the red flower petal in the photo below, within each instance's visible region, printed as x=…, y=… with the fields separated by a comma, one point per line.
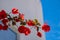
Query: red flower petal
x=4, y=21
x=21, y=16
x=3, y=14
x=5, y=27
x=30, y=23
x=0, y=26
x=46, y=27
x=17, y=20
x=21, y=29
x=0, y=15
x=15, y=11
x=39, y=34
x=27, y=31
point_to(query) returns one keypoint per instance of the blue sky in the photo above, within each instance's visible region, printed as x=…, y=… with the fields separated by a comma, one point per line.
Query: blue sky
x=51, y=11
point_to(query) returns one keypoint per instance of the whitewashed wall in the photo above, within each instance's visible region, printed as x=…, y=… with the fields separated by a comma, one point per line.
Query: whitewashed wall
x=31, y=8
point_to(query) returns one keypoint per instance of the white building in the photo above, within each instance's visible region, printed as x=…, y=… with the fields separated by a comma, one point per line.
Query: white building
x=31, y=8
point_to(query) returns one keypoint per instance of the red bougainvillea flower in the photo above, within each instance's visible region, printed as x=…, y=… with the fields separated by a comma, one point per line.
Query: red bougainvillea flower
x=15, y=11
x=23, y=29
x=5, y=27
x=21, y=16
x=4, y=21
x=17, y=20
x=46, y=27
x=3, y=14
x=30, y=23
x=27, y=31
x=0, y=26
x=39, y=34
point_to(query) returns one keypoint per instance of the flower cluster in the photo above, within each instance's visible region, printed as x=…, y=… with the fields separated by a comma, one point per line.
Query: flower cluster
x=5, y=18
x=23, y=29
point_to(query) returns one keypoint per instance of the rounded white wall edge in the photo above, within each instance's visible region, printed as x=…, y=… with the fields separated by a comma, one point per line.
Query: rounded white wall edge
x=32, y=9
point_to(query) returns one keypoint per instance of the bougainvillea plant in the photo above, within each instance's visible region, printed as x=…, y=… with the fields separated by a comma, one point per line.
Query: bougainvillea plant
x=5, y=18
